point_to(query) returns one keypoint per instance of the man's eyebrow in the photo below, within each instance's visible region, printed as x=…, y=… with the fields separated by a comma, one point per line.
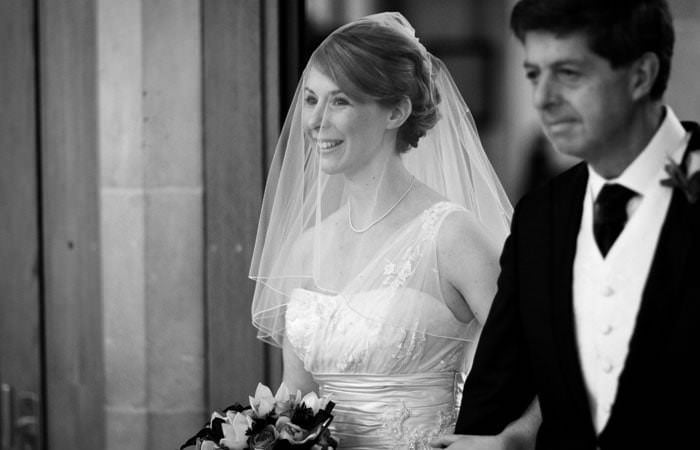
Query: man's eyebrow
x=557, y=63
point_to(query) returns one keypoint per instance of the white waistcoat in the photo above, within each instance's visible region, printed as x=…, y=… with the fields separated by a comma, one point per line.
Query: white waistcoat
x=607, y=292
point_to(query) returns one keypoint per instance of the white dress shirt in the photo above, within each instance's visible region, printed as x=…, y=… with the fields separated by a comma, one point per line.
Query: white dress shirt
x=607, y=292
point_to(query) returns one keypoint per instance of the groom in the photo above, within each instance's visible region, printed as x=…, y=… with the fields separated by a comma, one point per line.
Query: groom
x=598, y=305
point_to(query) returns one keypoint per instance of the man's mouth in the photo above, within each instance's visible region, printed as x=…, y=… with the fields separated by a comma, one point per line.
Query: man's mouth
x=559, y=125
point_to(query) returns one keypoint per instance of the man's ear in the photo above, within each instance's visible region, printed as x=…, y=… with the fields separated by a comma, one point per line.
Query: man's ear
x=399, y=113
x=644, y=72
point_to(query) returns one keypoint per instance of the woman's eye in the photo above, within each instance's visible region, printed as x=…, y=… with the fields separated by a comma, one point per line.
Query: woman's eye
x=340, y=101
x=310, y=100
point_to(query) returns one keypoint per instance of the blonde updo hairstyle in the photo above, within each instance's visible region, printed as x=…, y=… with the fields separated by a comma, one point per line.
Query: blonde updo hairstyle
x=373, y=62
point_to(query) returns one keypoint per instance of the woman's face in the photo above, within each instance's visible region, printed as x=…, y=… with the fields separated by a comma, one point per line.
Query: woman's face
x=347, y=133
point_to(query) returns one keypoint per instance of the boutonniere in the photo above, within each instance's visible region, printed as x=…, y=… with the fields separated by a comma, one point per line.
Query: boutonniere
x=685, y=176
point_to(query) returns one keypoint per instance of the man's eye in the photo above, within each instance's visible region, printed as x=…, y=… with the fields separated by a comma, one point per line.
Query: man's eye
x=569, y=75
x=531, y=75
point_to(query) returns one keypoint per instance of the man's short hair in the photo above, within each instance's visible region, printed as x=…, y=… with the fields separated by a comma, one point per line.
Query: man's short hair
x=620, y=31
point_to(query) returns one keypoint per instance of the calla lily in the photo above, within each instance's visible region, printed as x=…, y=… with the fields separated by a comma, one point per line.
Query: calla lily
x=282, y=394
x=284, y=401
x=208, y=445
x=263, y=402
x=313, y=401
x=216, y=415
x=694, y=162
x=234, y=430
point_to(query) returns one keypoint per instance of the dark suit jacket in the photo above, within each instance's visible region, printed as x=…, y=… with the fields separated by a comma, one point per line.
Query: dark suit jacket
x=528, y=345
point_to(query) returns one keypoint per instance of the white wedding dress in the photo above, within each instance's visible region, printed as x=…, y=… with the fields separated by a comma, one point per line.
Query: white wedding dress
x=392, y=357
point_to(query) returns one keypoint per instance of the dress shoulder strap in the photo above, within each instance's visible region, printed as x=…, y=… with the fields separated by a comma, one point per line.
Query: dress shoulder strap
x=403, y=265
x=435, y=215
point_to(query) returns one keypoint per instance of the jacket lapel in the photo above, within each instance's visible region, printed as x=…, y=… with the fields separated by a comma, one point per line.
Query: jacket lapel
x=566, y=219
x=663, y=286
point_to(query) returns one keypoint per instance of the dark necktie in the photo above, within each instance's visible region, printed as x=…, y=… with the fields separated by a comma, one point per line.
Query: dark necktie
x=610, y=214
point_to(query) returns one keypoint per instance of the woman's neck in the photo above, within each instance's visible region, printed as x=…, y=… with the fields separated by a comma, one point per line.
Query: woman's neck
x=378, y=188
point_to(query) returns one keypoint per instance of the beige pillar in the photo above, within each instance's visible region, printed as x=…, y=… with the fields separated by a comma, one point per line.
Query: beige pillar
x=151, y=220
x=685, y=83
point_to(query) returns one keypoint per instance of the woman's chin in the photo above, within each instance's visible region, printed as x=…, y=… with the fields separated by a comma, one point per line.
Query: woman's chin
x=332, y=163
x=331, y=168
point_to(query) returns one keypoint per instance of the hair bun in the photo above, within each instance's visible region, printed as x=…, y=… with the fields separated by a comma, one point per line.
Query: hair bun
x=425, y=102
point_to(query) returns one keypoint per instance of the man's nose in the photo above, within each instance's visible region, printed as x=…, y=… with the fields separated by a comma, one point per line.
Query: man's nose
x=546, y=93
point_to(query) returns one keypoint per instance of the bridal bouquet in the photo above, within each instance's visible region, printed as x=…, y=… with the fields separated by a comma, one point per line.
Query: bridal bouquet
x=282, y=421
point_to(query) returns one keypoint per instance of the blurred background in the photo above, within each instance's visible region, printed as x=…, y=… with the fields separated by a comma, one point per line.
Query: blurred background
x=134, y=141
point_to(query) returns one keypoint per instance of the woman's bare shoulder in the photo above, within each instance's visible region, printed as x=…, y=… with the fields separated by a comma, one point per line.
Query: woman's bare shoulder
x=462, y=230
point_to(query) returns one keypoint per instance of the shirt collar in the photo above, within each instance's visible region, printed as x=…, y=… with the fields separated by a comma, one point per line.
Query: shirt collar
x=640, y=174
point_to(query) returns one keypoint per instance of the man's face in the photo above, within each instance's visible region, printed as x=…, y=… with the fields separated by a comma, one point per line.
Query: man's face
x=584, y=104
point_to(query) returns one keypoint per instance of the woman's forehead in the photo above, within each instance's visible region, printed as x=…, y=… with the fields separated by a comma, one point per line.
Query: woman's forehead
x=320, y=82
x=317, y=80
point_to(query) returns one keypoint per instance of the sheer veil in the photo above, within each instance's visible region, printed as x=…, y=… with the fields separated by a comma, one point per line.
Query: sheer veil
x=300, y=198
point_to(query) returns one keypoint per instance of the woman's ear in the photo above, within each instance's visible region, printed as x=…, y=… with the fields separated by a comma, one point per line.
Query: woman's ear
x=399, y=113
x=644, y=72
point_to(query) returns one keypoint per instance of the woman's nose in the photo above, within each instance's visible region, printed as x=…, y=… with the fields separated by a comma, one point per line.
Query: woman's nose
x=317, y=116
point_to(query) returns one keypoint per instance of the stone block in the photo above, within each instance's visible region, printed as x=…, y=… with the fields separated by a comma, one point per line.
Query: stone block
x=127, y=429
x=172, y=101
x=120, y=86
x=123, y=281
x=175, y=299
x=169, y=429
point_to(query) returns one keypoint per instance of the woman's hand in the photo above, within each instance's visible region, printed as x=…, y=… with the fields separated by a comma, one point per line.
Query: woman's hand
x=465, y=442
x=521, y=434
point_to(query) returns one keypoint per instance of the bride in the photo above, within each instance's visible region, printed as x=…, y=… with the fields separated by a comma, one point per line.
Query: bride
x=382, y=222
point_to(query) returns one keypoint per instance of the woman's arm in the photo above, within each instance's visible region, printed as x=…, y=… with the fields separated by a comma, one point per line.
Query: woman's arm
x=521, y=434
x=468, y=260
x=468, y=264
x=294, y=375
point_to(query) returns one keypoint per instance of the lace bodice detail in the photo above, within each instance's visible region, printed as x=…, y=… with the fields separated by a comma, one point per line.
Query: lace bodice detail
x=330, y=336
x=389, y=355
x=397, y=272
x=393, y=387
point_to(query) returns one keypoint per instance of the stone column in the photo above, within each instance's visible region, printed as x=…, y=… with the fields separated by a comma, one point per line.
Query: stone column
x=150, y=130
x=684, y=83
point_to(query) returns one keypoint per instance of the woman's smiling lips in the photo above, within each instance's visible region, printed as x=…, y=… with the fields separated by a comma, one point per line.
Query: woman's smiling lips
x=327, y=145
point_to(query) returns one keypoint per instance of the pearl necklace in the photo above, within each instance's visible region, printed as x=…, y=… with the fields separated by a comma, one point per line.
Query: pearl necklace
x=380, y=218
